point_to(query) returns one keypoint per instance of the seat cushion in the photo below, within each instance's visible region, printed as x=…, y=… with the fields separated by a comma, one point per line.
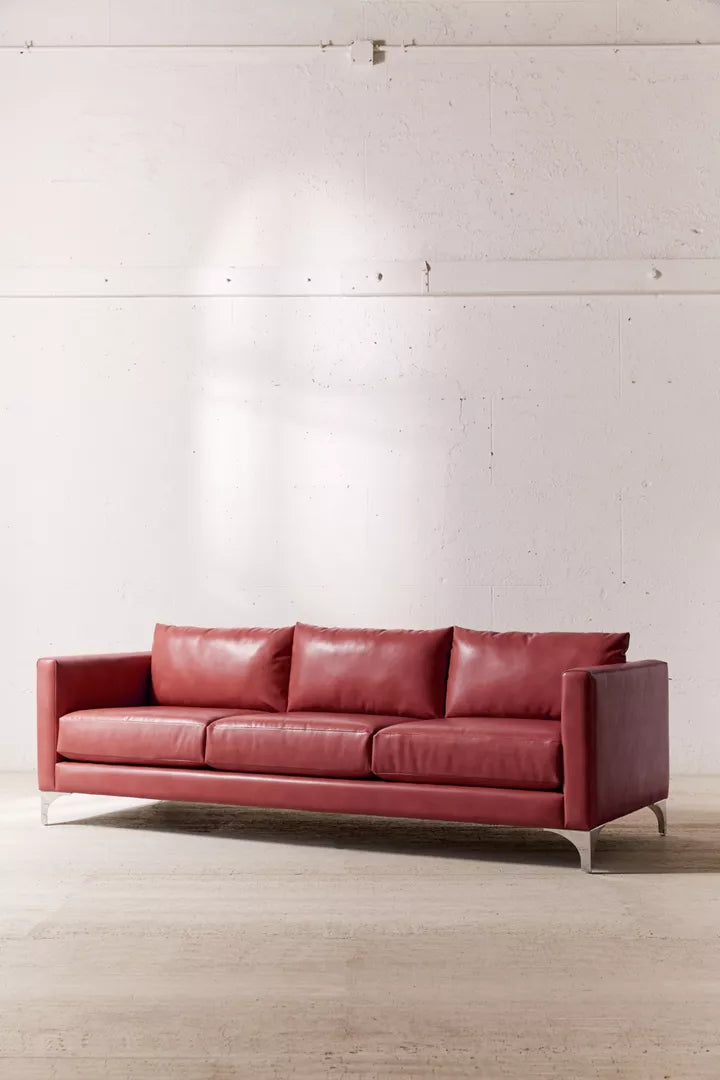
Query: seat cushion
x=145, y=735
x=303, y=744
x=241, y=669
x=386, y=672
x=519, y=674
x=483, y=751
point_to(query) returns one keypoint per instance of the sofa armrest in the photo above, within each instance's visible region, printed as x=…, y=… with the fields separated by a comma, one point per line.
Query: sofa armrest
x=614, y=730
x=68, y=683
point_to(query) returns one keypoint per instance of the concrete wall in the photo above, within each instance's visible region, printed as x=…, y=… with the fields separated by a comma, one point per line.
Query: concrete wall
x=283, y=336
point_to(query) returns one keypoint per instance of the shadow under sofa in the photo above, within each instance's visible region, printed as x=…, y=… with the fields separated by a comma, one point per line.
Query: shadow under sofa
x=553, y=731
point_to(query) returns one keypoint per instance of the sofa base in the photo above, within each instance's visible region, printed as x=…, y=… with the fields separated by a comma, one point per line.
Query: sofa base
x=382, y=798
x=483, y=806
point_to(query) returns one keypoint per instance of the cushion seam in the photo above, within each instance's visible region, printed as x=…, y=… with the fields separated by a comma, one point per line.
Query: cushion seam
x=123, y=759
x=286, y=765
x=231, y=708
x=321, y=731
x=149, y=720
x=483, y=781
x=470, y=739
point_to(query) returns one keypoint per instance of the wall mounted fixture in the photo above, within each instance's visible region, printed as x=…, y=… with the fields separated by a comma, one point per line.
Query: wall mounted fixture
x=362, y=52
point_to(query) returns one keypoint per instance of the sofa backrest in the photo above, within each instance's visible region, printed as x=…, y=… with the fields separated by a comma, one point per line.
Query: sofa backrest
x=382, y=672
x=385, y=672
x=520, y=675
x=239, y=668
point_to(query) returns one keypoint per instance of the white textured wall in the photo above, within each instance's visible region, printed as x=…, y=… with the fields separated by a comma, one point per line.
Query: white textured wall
x=232, y=392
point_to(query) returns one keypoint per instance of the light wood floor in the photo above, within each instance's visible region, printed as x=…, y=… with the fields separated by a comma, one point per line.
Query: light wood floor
x=151, y=941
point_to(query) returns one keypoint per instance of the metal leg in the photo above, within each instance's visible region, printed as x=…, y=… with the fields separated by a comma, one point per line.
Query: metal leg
x=659, y=809
x=47, y=797
x=584, y=841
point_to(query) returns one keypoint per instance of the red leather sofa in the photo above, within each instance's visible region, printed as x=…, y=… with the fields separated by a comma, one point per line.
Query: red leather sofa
x=553, y=731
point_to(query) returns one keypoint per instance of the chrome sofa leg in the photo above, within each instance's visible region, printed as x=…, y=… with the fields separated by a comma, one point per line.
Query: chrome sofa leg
x=659, y=809
x=47, y=797
x=584, y=840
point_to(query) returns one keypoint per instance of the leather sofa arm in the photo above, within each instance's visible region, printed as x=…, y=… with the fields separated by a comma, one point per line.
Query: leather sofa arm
x=614, y=730
x=68, y=683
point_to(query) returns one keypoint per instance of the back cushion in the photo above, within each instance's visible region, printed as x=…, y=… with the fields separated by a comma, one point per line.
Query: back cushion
x=240, y=669
x=520, y=675
x=390, y=672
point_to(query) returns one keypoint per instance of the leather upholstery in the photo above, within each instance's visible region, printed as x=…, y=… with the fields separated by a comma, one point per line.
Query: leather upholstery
x=149, y=735
x=614, y=728
x=305, y=744
x=388, y=672
x=239, y=668
x=485, y=752
x=66, y=683
x=518, y=674
x=490, y=806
